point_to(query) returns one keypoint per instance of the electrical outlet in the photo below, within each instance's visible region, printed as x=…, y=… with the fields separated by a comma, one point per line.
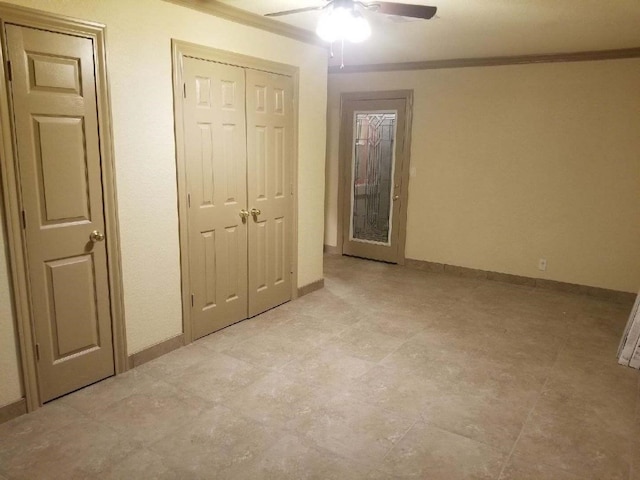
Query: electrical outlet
x=542, y=264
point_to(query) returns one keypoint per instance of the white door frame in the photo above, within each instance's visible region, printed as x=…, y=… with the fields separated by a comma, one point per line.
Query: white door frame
x=13, y=202
x=181, y=49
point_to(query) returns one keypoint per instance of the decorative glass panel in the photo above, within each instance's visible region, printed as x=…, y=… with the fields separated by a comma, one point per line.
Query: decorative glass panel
x=372, y=176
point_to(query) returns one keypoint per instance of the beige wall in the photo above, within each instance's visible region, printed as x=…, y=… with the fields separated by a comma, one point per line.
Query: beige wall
x=138, y=40
x=516, y=163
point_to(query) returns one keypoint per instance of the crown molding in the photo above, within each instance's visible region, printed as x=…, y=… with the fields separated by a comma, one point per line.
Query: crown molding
x=491, y=61
x=237, y=15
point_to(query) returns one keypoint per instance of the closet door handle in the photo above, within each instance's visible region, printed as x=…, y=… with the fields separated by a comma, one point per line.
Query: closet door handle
x=255, y=212
x=96, y=236
x=244, y=214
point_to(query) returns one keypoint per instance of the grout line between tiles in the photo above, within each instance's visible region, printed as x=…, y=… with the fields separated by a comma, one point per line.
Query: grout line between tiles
x=526, y=421
x=395, y=444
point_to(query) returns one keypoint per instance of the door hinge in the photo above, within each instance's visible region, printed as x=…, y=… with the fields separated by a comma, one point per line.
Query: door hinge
x=9, y=72
x=24, y=220
x=189, y=200
x=184, y=90
x=192, y=300
x=37, y=352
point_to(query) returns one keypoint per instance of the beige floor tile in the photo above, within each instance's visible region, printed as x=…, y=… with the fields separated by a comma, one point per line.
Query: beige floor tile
x=366, y=344
x=307, y=330
x=272, y=318
x=293, y=458
x=326, y=324
x=269, y=350
x=392, y=324
x=143, y=464
x=50, y=417
x=232, y=335
x=324, y=304
x=574, y=444
x=215, y=443
x=324, y=386
x=519, y=470
x=176, y=363
x=493, y=344
x=100, y=395
x=353, y=429
x=600, y=392
x=379, y=475
x=445, y=355
x=404, y=393
x=218, y=377
x=604, y=411
x=430, y=353
x=398, y=302
x=484, y=400
x=479, y=414
x=327, y=366
x=595, y=331
x=276, y=399
x=151, y=414
x=427, y=452
x=80, y=449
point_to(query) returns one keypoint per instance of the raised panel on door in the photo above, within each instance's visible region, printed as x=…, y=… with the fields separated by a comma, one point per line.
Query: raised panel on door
x=215, y=157
x=58, y=151
x=270, y=151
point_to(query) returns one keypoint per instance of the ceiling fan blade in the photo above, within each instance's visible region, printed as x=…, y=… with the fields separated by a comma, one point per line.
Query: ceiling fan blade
x=295, y=10
x=403, y=9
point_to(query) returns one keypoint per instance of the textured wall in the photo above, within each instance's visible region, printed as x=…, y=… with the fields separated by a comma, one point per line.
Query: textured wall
x=516, y=163
x=138, y=40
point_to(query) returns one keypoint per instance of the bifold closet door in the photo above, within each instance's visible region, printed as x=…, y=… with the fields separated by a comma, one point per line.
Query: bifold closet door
x=216, y=168
x=270, y=153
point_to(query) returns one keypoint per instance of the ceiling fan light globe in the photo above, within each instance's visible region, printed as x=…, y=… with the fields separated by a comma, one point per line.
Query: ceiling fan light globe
x=328, y=29
x=338, y=23
x=359, y=29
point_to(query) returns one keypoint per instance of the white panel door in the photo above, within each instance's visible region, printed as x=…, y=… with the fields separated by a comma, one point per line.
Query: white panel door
x=58, y=151
x=216, y=167
x=269, y=151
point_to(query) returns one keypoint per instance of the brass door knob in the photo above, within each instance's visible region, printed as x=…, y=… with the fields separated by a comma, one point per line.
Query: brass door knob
x=255, y=212
x=96, y=236
x=244, y=214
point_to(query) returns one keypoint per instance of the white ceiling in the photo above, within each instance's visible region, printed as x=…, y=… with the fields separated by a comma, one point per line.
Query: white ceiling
x=481, y=28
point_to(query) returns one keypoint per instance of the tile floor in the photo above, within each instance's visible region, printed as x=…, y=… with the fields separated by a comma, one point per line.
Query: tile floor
x=386, y=373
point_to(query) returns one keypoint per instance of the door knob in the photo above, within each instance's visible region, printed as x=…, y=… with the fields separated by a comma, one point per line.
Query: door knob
x=244, y=214
x=396, y=197
x=255, y=212
x=96, y=236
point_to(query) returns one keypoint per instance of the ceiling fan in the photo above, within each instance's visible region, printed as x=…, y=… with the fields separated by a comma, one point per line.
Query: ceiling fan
x=342, y=20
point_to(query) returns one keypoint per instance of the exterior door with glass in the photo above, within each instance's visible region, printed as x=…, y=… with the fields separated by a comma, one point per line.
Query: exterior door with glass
x=374, y=157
